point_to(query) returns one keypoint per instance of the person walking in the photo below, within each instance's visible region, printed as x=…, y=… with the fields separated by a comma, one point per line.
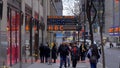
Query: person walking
x=41, y=49
x=75, y=55
x=63, y=51
x=83, y=51
x=54, y=52
x=69, y=55
x=111, y=45
x=93, y=55
x=47, y=52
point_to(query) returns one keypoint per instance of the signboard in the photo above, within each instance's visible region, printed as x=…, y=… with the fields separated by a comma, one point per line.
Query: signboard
x=61, y=20
x=114, y=31
x=61, y=23
x=61, y=27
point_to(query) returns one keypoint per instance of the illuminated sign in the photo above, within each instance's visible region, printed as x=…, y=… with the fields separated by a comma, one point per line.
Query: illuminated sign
x=55, y=28
x=61, y=20
x=60, y=17
x=114, y=31
x=61, y=27
x=61, y=23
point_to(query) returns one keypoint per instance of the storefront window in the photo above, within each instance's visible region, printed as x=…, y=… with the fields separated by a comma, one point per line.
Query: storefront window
x=27, y=20
x=13, y=36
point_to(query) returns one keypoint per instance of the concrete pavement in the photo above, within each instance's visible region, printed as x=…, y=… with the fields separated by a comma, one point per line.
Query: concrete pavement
x=56, y=65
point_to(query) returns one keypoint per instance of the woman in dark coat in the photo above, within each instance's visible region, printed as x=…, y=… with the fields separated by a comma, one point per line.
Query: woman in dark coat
x=83, y=51
x=41, y=49
x=54, y=53
x=47, y=52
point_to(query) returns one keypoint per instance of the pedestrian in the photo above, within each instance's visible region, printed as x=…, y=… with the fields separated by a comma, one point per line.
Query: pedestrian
x=111, y=45
x=99, y=48
x=63, y=51
x=47, y=52
x=83, y=51
x=93, y=55
x=41, y=49
x=54, y=52
x=75, y=55
x=69, y=53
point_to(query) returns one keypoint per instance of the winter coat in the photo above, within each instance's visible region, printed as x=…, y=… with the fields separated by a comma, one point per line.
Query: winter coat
x=63, y=50
x=41, y=49
x=47, y=51
x=83, y=49
x=54, y=52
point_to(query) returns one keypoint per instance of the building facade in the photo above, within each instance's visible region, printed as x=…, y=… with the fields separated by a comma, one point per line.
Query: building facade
x=112, y=17
x=24, y=25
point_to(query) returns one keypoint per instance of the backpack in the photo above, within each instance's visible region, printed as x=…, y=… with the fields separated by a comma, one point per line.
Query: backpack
x=93, y=57
x=75, y=53
x=74, y=50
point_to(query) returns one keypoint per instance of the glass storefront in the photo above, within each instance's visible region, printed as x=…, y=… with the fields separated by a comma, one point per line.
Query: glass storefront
x=13, y=51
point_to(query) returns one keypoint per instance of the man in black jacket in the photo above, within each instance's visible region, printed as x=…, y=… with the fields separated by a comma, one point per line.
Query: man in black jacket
x=63, y=50
x=42, y=49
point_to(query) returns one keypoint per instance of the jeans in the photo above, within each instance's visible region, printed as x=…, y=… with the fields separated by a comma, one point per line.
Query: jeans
x=93, y=65
x=62, y=61
x=68, y=61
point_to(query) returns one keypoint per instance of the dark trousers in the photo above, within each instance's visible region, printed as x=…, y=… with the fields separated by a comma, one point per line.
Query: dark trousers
x=54, y=60
x=83, y=56
x=74, y=63
x=42, y=58
x=46, y=59
x=62, y=61
x=111, y=46
x=93, y=65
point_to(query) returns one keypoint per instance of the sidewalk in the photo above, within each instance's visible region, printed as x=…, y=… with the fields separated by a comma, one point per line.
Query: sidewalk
x=24, y=65
x=56, y=65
